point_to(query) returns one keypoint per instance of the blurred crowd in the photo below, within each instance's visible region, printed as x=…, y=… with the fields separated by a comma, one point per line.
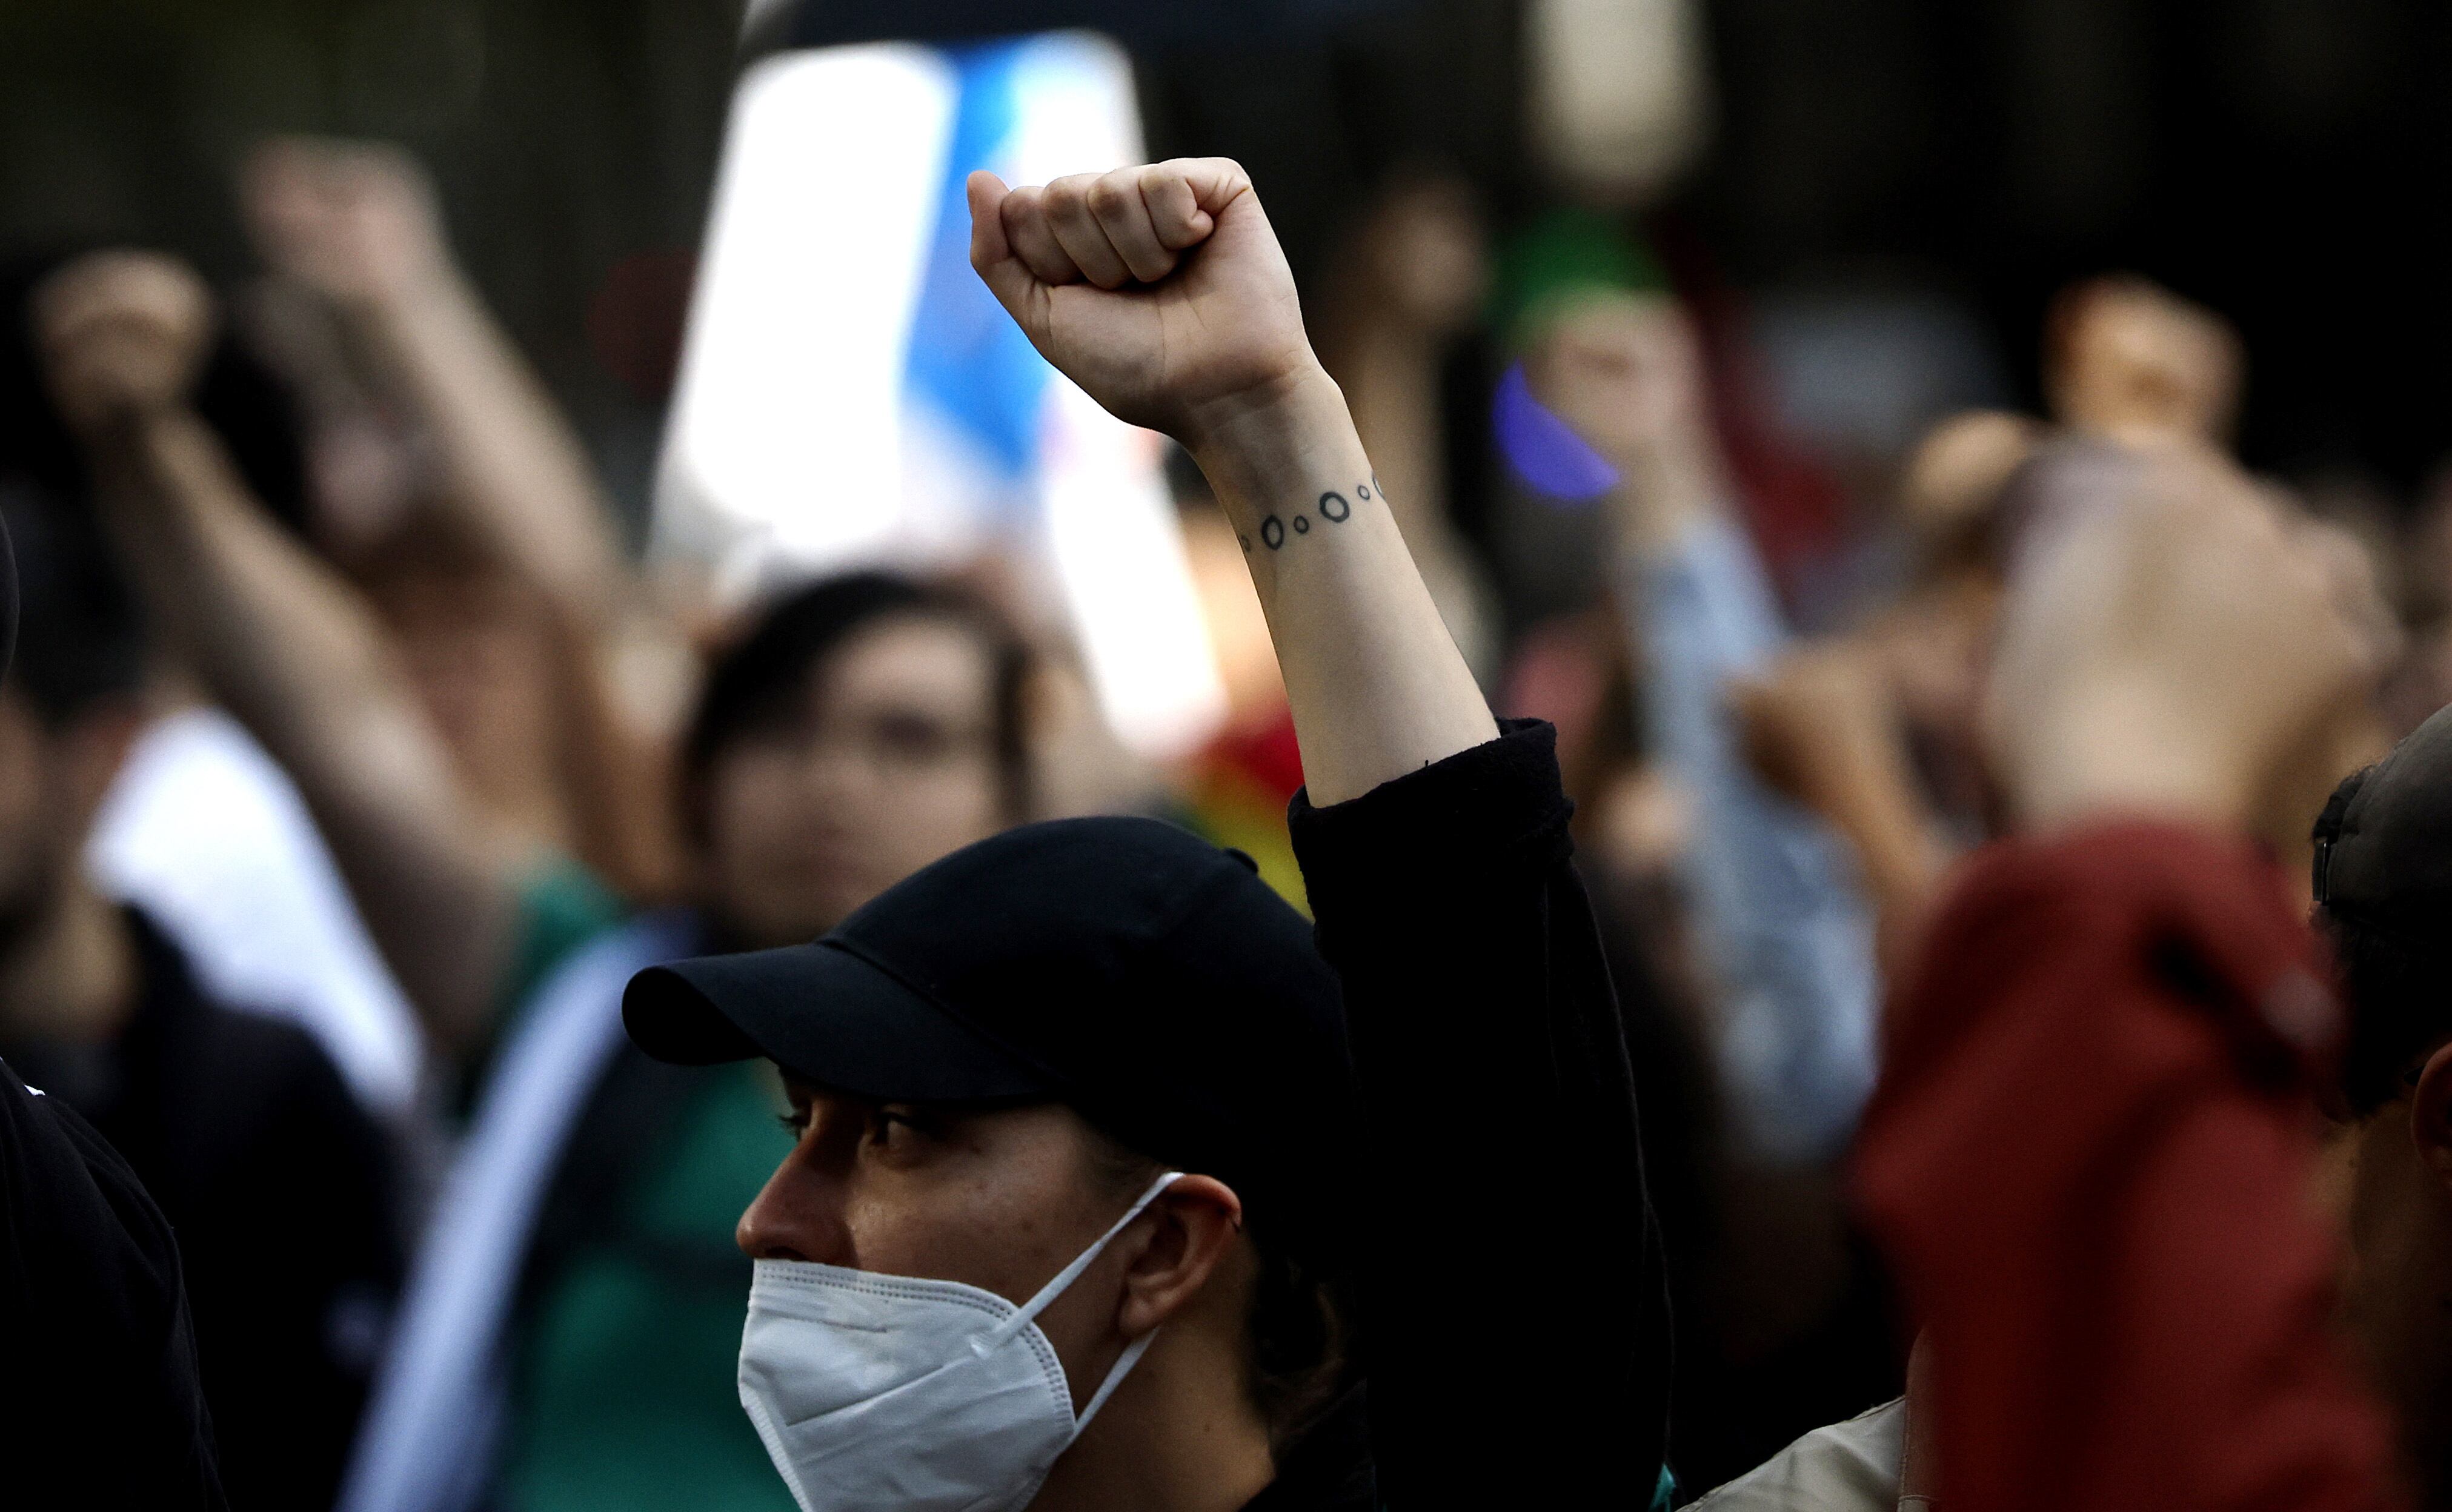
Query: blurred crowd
x=352, y=762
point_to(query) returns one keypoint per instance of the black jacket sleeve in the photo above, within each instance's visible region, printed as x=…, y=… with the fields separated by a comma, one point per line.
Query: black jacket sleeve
x=1514, y=1316
x=99, y=1400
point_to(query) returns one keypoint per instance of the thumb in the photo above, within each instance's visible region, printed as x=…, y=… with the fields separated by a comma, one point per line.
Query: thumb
x=991, y=251
x=1188, y=196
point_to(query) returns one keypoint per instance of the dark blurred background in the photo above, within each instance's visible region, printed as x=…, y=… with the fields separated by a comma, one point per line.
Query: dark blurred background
x=573, y=140
x=1951, y=163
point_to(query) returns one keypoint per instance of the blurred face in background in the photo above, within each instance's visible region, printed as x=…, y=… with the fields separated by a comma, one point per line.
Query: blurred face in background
x=476, y=646
x=1935, y=639
x=885, y=762
x=52, y=783
x=1424, y=260
x=1625, y=370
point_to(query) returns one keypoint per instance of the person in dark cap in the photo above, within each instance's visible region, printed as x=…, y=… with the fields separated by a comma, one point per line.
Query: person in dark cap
x=1110, y=1189
x=2383, y=898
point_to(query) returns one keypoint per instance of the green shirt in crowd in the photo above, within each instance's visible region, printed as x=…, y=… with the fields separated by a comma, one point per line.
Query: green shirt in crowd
x=623, y=1391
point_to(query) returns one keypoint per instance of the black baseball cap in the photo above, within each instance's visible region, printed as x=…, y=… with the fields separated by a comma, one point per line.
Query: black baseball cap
x=1123, y=967
x=2383, y=844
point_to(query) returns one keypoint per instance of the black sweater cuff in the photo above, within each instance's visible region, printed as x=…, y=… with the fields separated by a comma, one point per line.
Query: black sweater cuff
x=1495, y=808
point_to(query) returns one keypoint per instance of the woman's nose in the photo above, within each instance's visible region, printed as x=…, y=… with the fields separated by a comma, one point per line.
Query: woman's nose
x=797, y=1216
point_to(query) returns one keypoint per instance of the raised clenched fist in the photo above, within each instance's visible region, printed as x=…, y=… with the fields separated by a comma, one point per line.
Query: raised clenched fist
x=121, y=333
x=2127, y=358
x=1159, y=289
x=2171, y=644
x=355, y=222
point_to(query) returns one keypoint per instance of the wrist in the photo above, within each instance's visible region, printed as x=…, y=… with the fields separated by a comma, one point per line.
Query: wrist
x=1663, y=494
x=130, y=449
x=2120, y=757
x=398, y=306
x=111, y=431
x=2164, y=794
x=1244, y=441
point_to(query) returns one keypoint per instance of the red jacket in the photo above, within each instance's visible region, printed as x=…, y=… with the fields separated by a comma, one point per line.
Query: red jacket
x=2088, y=1164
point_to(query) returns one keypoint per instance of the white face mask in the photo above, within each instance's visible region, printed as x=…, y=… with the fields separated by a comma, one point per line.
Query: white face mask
x=892, y=1394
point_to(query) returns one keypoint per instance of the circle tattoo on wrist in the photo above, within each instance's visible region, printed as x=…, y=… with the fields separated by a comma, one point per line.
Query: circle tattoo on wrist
x=1334, y=509
x=1273, y=533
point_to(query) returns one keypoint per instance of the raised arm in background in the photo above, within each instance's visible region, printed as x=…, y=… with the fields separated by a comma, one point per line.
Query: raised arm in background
x=1786, y=930
x=2091, y=1159
x=1433, y=846
x=1832, y=725
x=290, y=649
x=1818, y=726
x=358, y=225
x=1403, y=287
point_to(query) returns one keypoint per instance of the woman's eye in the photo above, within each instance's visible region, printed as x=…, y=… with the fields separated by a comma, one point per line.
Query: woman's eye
x=910, y=741
x=796, y=1123
x=897, y=1128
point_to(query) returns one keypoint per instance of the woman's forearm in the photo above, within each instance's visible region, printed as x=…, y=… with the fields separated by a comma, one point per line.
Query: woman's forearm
x=1377, y=685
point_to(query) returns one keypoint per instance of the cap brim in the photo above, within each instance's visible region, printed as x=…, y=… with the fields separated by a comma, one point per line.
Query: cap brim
x=828, y=1016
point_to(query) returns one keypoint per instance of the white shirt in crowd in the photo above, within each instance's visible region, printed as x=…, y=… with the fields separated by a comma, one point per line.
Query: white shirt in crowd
x=205, y=834
x=1852, y=1466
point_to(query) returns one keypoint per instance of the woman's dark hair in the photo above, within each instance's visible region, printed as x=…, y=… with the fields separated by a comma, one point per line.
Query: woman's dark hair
x=759, y=680
x=2401, y=1007
x=1299, y=1356
x=81, y=632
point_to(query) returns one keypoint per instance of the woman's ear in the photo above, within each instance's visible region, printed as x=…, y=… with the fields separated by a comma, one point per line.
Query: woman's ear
x=2430, y=1115
x=1197, y=1221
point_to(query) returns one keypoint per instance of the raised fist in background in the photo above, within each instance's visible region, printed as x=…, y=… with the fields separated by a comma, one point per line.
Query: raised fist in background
x=121, y=333
x=2175, y=650
x=355, y=222
x=2126, y=359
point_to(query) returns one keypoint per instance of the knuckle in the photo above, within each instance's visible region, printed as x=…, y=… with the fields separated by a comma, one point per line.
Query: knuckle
x=1064, y=196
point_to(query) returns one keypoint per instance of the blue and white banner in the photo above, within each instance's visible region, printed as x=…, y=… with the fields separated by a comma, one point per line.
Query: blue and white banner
x=850, y=393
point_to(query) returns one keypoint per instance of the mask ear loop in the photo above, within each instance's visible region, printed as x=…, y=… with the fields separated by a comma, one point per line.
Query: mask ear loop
x=1124, y=1362
x=1055, y=1288
x=1072, y=1273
